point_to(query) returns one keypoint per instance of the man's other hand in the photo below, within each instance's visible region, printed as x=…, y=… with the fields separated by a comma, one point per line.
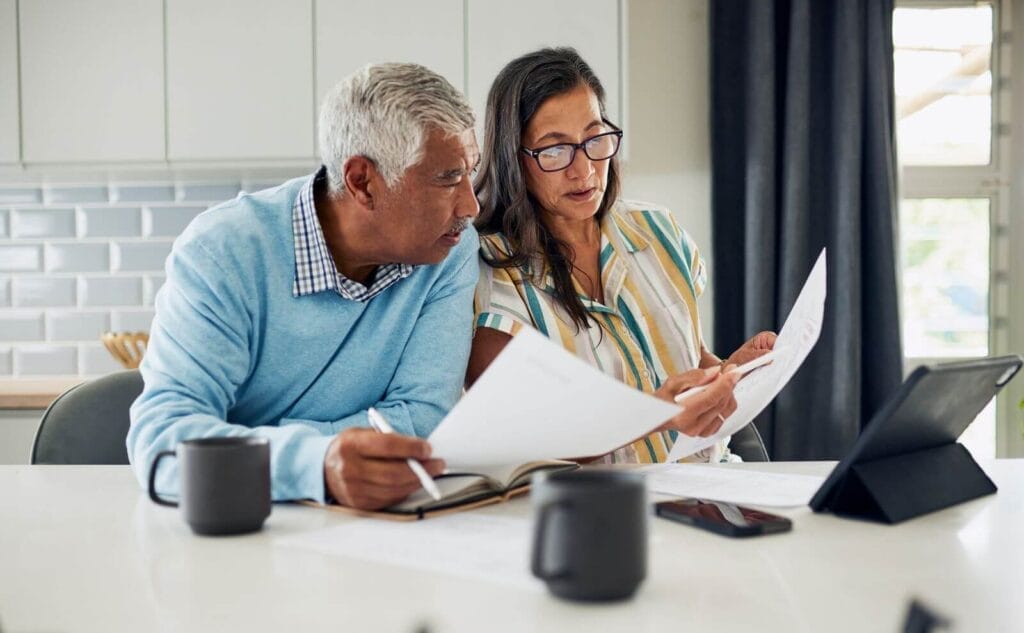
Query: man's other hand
x=367, y=470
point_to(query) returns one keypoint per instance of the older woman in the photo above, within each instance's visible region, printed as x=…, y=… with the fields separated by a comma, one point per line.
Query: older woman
x=614, y=282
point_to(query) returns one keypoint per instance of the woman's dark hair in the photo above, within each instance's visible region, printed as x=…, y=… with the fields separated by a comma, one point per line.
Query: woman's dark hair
x=505, y=204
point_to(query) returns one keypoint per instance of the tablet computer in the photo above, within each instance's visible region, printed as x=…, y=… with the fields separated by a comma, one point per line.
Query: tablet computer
x=922, y=419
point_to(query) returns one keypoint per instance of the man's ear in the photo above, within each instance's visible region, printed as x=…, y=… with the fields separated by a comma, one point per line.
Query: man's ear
x=360, y=176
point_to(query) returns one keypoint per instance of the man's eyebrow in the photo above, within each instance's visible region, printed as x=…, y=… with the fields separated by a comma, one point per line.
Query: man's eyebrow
x=558, y=136
x=458, y=172
x=451, y=174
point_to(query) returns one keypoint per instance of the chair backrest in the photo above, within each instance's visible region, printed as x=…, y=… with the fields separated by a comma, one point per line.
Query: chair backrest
x=88, y=423
x=747, y=443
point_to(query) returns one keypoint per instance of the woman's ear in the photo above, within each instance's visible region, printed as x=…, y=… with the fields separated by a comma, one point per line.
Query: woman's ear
x=359, y=173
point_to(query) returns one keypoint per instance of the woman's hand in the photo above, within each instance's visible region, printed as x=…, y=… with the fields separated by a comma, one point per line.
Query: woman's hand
x=704, y=413
x=759, y=345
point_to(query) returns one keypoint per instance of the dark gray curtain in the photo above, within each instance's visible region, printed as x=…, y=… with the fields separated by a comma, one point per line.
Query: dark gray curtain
x=803, y=157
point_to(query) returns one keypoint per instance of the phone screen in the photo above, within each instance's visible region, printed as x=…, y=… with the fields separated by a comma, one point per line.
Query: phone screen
x=724, y=518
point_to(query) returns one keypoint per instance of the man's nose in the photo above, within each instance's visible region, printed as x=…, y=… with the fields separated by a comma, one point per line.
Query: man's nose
x=468, y=206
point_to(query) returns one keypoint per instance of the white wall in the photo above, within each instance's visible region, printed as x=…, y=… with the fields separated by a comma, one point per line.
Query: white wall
x=17, y=431
x=669, y=159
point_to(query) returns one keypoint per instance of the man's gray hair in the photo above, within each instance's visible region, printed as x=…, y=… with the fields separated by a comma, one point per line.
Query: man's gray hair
x=384, y=112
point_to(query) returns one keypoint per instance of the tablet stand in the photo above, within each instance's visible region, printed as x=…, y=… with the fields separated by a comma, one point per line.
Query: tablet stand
x=901, y=487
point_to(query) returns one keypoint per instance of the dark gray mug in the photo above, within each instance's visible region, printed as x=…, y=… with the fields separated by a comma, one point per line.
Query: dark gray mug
x=224, y=483
x=590, y=533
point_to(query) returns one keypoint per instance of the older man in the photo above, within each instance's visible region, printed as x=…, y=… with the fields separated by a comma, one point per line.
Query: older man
x=287, y=313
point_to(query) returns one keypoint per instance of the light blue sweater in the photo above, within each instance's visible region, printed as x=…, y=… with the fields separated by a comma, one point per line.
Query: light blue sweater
x=233, y=352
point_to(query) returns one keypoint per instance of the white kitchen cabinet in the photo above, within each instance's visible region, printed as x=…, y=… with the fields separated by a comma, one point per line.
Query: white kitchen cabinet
x=10, y=144
x=239, y=79
x=352, y=34
x=91, y=80
x=499, y=31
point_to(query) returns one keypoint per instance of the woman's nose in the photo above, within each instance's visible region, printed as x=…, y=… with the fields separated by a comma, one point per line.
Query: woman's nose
x=581, y=165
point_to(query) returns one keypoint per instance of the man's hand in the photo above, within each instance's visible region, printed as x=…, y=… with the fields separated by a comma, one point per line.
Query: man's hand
x=367, y=470
x=759, y=345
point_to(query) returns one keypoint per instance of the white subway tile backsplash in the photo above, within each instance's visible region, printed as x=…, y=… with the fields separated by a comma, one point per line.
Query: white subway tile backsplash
x=21, y=326
x=20, y=195
x=43, y=223
x=150, y=286
x=131, y=320
x=142, y=193
x=208, y=193
x=78, y=257
x=95, y=360
x=21, y=258
x=56, y=195
x=109, y=222
x=31, y=292
x=110, y=291
x=76, y=326
x=167, y=221
x=140, y=256
x=43, y=360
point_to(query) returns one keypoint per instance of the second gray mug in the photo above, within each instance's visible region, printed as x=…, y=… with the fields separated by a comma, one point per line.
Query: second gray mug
x=224, y=483
x=590, y=535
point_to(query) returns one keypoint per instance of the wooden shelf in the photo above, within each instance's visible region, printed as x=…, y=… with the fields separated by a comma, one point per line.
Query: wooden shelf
x=34, y=393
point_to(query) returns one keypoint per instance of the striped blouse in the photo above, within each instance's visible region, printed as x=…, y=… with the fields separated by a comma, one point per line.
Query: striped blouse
x=651, y=273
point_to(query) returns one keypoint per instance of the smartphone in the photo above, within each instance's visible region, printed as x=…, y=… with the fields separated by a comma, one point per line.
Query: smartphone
x=722, y=518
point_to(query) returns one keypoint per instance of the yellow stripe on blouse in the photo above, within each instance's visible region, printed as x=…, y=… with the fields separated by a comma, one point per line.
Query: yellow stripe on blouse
x=647, y=329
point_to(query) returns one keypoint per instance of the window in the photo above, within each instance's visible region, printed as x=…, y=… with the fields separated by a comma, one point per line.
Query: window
x=954, y=153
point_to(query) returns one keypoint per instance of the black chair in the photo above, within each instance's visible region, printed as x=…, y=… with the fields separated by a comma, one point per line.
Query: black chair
x=747, y=443
x=88, y=423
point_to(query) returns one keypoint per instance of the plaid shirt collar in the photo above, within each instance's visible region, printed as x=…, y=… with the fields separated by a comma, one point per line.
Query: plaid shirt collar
x=314, y=268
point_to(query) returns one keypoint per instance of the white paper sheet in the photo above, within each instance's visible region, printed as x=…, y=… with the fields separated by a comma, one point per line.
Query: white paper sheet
x=468, y=545
x=757, y=389
x=538, y=401
x=732, y=485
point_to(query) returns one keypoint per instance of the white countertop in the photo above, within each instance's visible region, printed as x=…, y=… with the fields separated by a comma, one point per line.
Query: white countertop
x=83, y=549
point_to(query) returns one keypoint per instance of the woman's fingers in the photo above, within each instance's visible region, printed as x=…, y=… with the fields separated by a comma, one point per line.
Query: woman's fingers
x=692, y=378
x=678, y=383
x=764, y=340
x=704, y=413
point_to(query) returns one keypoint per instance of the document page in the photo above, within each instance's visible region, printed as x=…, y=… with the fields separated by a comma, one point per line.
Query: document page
x=732, y=485
x=757, y=389
x=470, y=545
x=538, y=401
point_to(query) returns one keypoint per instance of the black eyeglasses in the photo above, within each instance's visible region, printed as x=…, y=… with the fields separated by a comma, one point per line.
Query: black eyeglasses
x=560, y=156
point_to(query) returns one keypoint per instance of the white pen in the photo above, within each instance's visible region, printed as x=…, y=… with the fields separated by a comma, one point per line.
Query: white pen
x=745, y=368
x=378, y=422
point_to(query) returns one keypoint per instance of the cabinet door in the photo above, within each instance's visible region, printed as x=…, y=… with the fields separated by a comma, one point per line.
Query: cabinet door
x=10, y=144
x=239, y=79
x=350, y=35
x=499, y=31
x=92, y=83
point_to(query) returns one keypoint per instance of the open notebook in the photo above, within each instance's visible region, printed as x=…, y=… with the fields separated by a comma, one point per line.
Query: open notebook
x=462, y=490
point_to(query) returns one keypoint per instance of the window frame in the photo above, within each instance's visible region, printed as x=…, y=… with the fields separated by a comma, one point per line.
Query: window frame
x=1002, y=183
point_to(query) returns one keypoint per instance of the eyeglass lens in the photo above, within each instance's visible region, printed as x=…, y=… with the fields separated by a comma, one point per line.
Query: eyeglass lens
x=600, y=147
